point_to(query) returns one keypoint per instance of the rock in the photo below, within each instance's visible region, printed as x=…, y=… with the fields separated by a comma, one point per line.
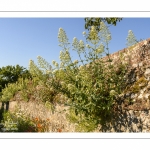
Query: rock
x=147, y=72
x=140, y=96
x=134, y=127
x=133, y=96
x=142, y=118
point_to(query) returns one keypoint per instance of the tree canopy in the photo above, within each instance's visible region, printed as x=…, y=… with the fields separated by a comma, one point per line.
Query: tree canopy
x=10, y=74
x=96, y=22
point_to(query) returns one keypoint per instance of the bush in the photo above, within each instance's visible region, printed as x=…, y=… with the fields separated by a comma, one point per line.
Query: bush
x=91, y=84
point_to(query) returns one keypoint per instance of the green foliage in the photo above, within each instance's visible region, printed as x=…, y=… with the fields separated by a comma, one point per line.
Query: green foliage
x=137, y=86
x=42, y=75
x=16, y=78
x=89, y=22
x=10, y=74
x=9, y=91
x=91, y=84
x=17, y=122
x=82, y=124
x=25, y=86
x=9, y=125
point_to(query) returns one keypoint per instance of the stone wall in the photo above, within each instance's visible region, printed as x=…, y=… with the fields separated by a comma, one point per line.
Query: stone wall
x=133, y=107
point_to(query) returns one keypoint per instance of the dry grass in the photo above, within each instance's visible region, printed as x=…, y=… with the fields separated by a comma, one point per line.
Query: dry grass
x=57, y=119
x=37, y=109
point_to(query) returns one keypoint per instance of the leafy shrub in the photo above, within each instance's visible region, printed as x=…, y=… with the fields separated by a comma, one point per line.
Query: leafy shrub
x=10, y=74
x=91, y=84
x=9, y=91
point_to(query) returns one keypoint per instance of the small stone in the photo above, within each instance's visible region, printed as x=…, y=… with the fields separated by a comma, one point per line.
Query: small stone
x=146, y=122
x=146, y=95
x=140, y=96
x=148, y=86
x=131, y=112
x=144, y=127
x=137, y=113
x=140, y=64
x=144, y=131
x=127, y=130
x=142, y=118
x=123, y=128
x=112, y=130
x=134, y=127
x=132, y=96
x=135, y=65
x=147, y=71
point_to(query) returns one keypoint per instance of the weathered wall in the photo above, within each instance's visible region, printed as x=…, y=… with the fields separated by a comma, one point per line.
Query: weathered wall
x=133, y=108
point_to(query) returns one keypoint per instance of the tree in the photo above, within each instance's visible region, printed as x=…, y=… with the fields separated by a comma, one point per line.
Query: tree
x=10, y=74
x=96, y=22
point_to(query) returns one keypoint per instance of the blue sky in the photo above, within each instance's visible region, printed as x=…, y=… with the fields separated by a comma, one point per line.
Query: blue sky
x=22, y=39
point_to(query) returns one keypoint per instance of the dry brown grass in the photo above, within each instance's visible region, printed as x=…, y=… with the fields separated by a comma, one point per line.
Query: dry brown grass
x=37, y=109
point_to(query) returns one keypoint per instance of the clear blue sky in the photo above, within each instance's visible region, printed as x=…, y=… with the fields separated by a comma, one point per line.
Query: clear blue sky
x=22, y=39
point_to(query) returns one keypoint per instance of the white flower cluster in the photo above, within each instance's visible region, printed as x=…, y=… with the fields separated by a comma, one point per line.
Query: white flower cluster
x=84, y=33
x=62, y=65
x=55, y=63
x=64, y=56
x=75, y=43
x=81, y=68
x=75, y=62
x=54, y=71
x=78, y=45
x=104, y=32
x=43, y=63
x=131, y=39
x=81, y=46
x=100, y=49
x=88, y=66
x=34, y=69
x=62, y=36
x=93, y=35
x=88, y=46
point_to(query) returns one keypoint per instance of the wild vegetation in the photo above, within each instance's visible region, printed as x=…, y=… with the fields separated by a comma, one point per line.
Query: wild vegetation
x=89, y=87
